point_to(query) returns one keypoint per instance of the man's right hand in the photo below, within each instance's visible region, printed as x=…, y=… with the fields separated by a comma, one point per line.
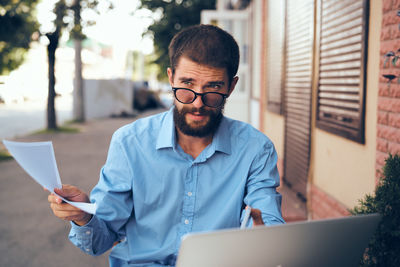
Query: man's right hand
x=66, y=211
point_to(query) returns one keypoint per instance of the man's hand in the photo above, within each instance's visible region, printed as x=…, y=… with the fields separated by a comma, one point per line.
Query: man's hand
x=66, y=211
x=257, y=218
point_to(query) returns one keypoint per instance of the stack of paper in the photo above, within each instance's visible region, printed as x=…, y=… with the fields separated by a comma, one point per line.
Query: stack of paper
x=39, y=161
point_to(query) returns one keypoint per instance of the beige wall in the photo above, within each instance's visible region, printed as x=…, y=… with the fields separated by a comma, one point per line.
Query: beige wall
x=274, y=126
x=342, y=168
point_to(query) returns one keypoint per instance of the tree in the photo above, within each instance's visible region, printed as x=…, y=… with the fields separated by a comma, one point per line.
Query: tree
x=176, y=15
x=64, y=12
x=18, y=24
x=60, y=10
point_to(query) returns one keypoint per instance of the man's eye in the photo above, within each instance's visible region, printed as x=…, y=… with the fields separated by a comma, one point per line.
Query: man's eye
x=187, y=83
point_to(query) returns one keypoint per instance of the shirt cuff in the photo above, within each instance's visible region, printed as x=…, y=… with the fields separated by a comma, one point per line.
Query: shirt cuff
x=82, y=236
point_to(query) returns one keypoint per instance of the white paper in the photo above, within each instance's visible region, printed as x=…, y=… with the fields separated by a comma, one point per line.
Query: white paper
x=39, y=161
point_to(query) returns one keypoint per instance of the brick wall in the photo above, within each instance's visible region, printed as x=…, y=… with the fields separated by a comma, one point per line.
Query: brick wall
x=324, y=206
x=388, y=126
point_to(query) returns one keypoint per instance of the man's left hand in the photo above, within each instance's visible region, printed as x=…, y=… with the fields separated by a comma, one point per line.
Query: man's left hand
x=257, y=218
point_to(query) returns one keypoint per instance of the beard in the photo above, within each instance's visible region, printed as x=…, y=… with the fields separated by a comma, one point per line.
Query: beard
x=208, y=129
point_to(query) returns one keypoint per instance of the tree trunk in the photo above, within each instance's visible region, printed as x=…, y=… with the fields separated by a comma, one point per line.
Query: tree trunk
x=79, y=108
x=51, y=55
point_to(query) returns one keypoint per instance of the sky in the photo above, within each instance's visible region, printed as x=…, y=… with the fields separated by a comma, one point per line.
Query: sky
x=122, y=26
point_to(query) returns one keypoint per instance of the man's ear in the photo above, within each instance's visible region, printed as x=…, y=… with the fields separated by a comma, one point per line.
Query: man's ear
x=170, y=76
x=233, y=84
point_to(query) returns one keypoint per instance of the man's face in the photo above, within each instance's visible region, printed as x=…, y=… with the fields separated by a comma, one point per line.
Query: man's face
x=197, y=119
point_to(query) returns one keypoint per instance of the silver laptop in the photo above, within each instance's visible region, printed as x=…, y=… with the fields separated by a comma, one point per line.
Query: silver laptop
x=332, y=242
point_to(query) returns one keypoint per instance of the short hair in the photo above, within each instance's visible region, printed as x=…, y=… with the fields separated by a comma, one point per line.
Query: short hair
x=208, y=45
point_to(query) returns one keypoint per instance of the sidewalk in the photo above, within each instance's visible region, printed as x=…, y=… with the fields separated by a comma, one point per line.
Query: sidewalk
x=30, y=235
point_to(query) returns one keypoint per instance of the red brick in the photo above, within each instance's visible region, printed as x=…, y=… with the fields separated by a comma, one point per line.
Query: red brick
x=380, y=158
x=389, y=70
x=389, y=133
x=384, y=89
x=387, y=5
x=389, y=18
x=389, y=104
x=395, y=31
x=382, y=145
x=394, y=148
x=394, y=89
x=383, y=117
x=387, y=44
x=396, y=4
x=386, y=33
x=394, y=120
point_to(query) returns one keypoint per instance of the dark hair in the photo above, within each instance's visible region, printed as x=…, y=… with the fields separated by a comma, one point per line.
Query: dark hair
x=208, y=45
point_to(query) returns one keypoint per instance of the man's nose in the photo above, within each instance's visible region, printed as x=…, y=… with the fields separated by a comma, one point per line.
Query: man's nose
x=198, y=102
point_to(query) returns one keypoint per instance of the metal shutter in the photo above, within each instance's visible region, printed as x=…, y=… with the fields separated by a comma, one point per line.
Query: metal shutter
x=341, y=87
x=298, y=86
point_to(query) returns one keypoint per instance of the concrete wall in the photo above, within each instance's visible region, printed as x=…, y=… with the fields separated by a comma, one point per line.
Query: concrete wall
x=104, y=98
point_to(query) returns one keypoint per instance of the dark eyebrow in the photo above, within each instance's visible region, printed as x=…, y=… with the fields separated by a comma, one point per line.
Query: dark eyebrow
x=184, y=79
x=211, y=84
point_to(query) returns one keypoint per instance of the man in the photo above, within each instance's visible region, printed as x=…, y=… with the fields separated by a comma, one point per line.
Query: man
x=186, y=170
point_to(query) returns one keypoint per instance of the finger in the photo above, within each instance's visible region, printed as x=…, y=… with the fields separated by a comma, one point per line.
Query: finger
x=67, y=191
x=68, y=215
x=65, y=207
x=54, y=199
x=257, y=218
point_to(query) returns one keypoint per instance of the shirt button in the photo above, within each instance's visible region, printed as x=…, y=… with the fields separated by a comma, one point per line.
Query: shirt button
x=186, y=221
x=88, y=232
x=190, y=194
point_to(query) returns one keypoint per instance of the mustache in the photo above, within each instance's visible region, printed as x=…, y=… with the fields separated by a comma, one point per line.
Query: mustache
x=201, y=111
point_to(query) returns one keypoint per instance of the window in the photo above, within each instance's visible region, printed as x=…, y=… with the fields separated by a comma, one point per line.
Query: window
x=342, y=66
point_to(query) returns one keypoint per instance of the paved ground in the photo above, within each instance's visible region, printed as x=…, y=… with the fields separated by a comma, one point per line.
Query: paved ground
x=29, y=234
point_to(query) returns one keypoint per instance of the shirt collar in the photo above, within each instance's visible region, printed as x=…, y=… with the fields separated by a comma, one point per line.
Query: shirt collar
x=222, y=137
x=166, y=137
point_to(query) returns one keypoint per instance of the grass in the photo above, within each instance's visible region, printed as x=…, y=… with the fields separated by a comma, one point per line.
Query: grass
x=61, y=129
x=69, y=122
x=4, y=155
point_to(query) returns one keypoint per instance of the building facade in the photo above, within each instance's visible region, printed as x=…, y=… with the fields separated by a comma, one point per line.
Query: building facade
x=316, y=88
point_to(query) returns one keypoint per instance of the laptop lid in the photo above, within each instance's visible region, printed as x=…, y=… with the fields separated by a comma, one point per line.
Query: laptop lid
x=331, y=242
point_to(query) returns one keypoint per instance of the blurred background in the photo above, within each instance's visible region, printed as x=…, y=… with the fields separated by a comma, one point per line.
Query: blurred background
x=319, y=77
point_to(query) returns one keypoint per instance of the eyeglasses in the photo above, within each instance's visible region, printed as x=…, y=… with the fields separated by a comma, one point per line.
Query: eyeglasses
x=210, y=99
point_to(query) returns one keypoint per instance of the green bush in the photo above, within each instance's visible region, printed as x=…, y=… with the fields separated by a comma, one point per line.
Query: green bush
x=384, y=247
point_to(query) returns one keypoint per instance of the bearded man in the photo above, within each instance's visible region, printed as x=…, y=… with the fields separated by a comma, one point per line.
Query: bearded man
x=189, y=169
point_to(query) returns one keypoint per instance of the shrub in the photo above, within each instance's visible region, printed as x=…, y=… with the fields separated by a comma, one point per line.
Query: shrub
x=384, y=247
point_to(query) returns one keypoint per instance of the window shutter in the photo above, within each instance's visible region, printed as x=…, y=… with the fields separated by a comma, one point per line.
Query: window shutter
x=298, y=87
x=342, y=65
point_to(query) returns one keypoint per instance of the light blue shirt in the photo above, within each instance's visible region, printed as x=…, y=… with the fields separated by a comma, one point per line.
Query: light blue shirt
x=151, y=193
